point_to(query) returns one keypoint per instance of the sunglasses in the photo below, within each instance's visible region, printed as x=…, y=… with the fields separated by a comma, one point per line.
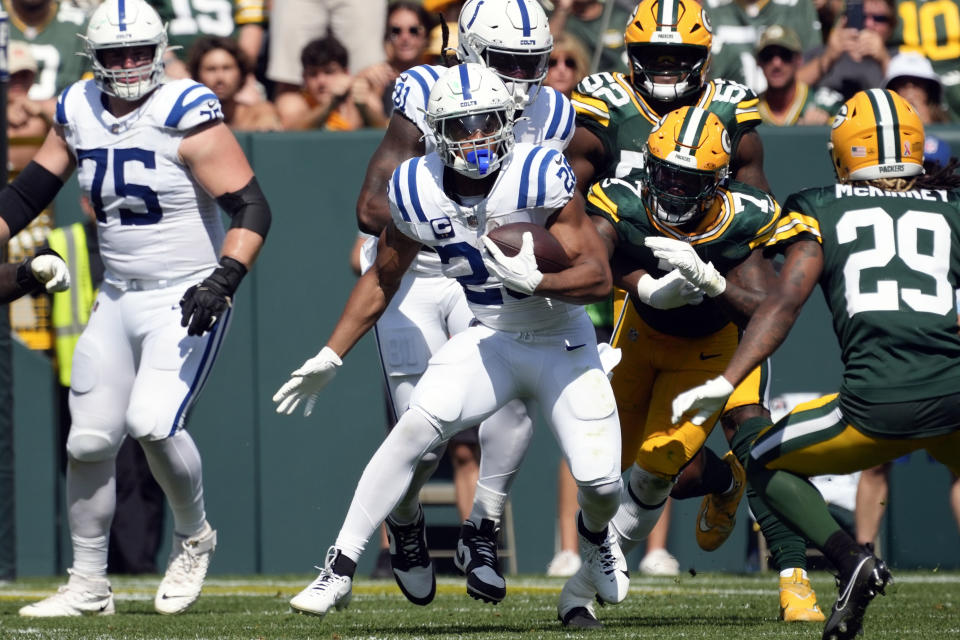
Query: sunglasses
x=396, y=32
x=569, y=63
x=769, y=53
x=879, y=18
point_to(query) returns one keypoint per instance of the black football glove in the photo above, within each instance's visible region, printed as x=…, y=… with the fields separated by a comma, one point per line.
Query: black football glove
x=203, y=304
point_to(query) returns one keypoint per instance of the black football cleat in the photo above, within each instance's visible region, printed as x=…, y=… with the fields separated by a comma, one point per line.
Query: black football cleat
x=869, y=578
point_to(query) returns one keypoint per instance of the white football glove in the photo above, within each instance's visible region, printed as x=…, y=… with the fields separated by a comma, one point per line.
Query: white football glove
x=306, y=382
x=685, y=260
x=706, y=400
x=519, y=273
x=51, y=271
x=609, y=357
x=669, y=292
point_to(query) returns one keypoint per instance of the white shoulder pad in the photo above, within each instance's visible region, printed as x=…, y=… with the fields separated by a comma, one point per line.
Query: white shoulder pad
x=412, y=195
x=544, y=178
x=185, y=104
x=548, y=121
x=411, y=91
x=72, y=96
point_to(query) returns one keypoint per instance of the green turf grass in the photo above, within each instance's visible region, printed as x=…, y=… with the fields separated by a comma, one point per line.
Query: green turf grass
x=923, y=605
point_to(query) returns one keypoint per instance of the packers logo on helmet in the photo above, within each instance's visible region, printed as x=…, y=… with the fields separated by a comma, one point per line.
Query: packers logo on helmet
x=687, y=156
x=876, y=134
x=668, y=43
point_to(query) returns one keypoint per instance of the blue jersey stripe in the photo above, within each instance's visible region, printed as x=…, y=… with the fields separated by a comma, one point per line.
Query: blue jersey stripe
x=571, y=116
x=211, y=349
x=523, y=196
x=476, y=10
x=557, y=114
x=542, y=176
x=61, y=115
x=422, y=82
x=412, y=187
x=524, y=17
x=398, y=194
x=465, y=82
x=180, y=108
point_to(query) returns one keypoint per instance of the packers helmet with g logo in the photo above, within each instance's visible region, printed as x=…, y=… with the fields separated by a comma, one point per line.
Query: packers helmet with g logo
x=668, y=43
x=687, y=156
x=876, y=134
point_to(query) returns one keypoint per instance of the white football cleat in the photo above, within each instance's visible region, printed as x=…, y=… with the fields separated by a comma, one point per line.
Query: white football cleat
x=575, y=608
x=605, y=567
x=186, y=570
x=81, y=596
x=328, y=590
x=564, y=564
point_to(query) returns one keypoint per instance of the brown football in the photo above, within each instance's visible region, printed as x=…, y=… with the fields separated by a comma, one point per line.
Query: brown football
x=551, y=257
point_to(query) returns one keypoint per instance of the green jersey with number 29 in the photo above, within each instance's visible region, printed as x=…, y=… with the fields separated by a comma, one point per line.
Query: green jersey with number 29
x=890, y=277
x=609, y=106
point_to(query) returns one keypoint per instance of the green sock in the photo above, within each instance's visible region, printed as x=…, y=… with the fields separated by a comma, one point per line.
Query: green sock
x=788, y=549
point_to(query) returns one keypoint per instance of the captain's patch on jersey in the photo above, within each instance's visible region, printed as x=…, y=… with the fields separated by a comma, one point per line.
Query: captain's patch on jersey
x=442, y=228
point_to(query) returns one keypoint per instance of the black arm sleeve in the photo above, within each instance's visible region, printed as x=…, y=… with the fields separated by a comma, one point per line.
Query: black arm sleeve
x=29, y=194
x=247, y=208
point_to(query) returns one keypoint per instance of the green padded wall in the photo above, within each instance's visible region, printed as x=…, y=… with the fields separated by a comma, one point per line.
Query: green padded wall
x=277, y=487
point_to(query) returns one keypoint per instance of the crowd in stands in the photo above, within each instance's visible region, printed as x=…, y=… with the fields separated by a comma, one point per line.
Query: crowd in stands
x=310, y=64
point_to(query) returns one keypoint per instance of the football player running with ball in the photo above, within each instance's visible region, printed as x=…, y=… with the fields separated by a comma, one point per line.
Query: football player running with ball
x=513, y=39
x=668, y=43
x=531, y=340
x=883, y=244
x=155, y=160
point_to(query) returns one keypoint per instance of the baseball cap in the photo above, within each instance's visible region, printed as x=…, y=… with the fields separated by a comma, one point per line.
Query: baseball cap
x=20, y=58
x=779, y=36
x=913, y=65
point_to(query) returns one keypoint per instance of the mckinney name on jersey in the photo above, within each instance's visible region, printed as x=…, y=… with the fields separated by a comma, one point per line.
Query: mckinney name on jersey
x=886, y=253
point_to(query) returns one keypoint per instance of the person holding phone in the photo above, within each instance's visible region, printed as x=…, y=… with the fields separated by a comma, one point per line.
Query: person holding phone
x=857, y=52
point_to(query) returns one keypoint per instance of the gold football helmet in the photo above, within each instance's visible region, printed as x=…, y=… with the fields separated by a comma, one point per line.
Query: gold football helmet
x=687, y=156
x=668, y=43
x=876, y=134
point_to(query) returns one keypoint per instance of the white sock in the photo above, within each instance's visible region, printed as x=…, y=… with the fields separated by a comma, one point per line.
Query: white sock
x=642, y=501
x=385, y=480
x=598, y=504
x=487, y=504
x=91, y=501
x=176, y=466
x=788, y=573
x=408, y=509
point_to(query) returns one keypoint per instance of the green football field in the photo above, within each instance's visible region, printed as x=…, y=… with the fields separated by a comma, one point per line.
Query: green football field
x=919, y=605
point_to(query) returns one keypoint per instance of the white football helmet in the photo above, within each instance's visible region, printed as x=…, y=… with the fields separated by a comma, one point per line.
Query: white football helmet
x=510, y=36
x=465, y=101
x=126, y=23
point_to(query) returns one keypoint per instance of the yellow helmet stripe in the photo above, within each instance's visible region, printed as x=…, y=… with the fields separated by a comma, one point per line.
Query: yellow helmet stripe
x=888, y=125
x=667, y=15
